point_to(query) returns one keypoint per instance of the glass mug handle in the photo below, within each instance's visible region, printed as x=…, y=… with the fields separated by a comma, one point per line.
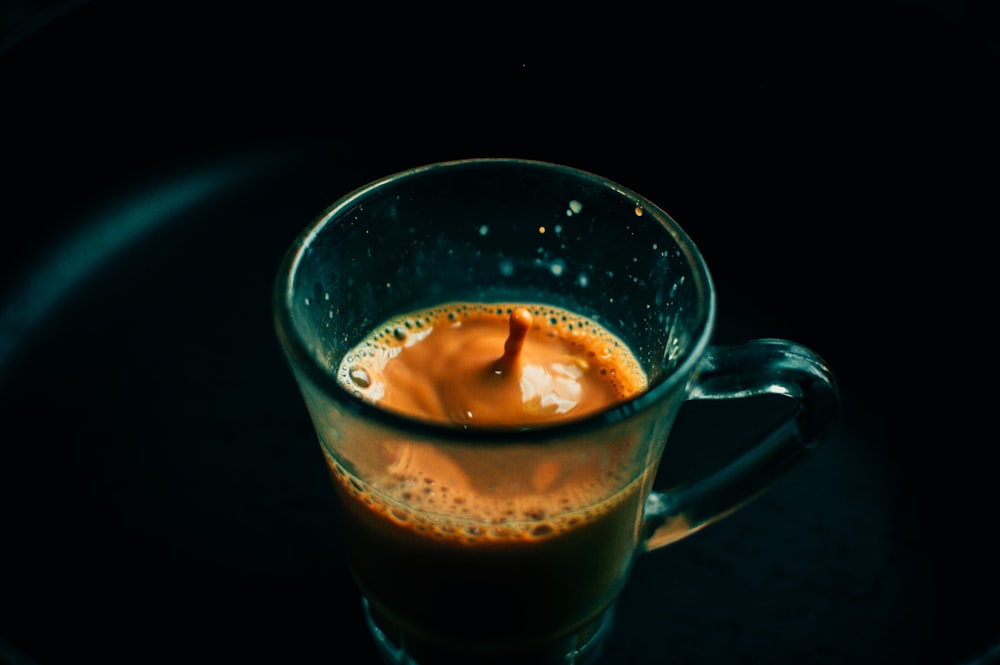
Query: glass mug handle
x=758, y=367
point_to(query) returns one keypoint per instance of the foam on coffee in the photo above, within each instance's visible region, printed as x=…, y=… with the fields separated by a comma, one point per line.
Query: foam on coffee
x=413, y=499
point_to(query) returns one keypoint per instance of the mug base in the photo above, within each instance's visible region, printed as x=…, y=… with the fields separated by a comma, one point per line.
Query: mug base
x=583, y=648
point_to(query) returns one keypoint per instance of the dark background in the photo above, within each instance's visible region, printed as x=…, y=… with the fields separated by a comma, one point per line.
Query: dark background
x=162, y=498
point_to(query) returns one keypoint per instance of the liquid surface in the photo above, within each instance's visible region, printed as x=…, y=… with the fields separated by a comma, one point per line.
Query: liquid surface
x=488, y=365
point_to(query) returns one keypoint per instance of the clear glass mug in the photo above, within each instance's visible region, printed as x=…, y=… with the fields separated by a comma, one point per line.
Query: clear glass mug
x=438, y=586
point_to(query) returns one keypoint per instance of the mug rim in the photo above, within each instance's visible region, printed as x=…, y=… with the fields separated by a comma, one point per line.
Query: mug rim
x=298, y=354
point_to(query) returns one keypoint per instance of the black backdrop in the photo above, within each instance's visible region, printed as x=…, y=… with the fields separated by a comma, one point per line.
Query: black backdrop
x=161, y=495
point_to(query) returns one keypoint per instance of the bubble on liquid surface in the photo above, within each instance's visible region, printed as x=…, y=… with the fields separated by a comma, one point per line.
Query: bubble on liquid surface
x=575, y=207
x=557, y=267
x=506, y=267
x=359, y=377
x=483, y=230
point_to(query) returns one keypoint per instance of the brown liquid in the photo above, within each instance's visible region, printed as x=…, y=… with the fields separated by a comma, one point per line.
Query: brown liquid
x=492, y=365
x=442, y=550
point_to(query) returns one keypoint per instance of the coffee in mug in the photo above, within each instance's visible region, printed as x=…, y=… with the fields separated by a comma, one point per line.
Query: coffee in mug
x=493, y=353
